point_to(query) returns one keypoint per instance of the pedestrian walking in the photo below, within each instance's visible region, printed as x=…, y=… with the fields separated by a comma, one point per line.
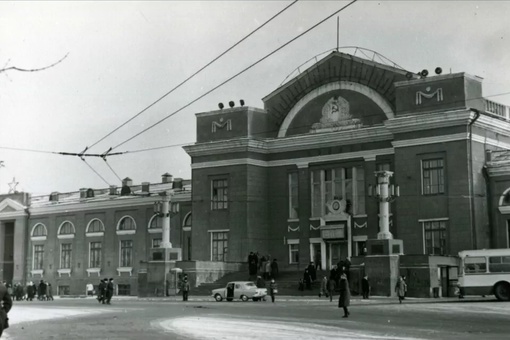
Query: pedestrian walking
x=109, y=291
x=312, y=272
x=41, y=291
x=331, y=288
x=401, y=289
x=90, y=289
x=307, y=279
x=185, y=288
x=50, y=291
x=268, y=270
x=5, y=307
x=273, y=289
x=344, y=299
x=30, y=291
x=101, y=291
x=274, y=269
x=365, y=287
x=324, y=287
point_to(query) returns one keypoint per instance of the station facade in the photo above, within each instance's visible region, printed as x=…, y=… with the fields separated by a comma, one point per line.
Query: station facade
x=295, y=179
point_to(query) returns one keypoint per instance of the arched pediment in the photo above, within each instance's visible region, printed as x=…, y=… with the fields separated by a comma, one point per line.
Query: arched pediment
x=340, y=105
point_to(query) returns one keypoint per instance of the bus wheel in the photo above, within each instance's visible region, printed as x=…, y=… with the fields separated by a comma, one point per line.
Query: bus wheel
x=502, y=291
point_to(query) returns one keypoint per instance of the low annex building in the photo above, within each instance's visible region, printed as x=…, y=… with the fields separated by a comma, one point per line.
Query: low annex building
x=72, y=239
x=293, y=179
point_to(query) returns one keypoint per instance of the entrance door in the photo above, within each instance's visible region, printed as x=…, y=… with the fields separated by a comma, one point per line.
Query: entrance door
x=335, y=253
x=317, y=255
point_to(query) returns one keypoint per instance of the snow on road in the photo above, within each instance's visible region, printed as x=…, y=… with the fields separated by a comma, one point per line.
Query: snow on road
x=230, y=329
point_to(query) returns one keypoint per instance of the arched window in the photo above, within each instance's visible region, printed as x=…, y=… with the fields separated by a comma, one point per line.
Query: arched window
x=66, y=230
x=39, y=232
x=155, y=224
x=126, y=225
x=95, y=228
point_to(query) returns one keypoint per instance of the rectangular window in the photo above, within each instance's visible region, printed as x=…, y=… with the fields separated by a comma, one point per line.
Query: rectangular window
x=126, y=253
x=65, y=255
x=63, y=290
x=433, y=176
x=499, y=264
x=156, y=242
x=475, y=265
x=124, y=289
x=293, y=195
x=38, y=256
x=435, y=237
x=95, y=254
x=219, y=194
x=293, y=253
x=219, y=246
x=338, y=184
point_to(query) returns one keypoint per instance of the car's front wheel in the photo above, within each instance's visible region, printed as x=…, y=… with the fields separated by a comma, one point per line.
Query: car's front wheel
x=218, y=297
x=244, y=298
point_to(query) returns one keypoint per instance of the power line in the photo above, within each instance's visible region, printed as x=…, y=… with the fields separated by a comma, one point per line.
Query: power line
x=97, y=173
x=112, y=169
x=236, y=75
x=194, y=74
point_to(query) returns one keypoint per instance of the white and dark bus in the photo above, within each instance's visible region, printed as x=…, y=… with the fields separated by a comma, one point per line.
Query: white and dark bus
x=485, y=272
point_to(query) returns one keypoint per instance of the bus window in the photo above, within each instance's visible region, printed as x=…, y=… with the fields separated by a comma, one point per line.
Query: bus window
x=499, y=264
x=475, y=265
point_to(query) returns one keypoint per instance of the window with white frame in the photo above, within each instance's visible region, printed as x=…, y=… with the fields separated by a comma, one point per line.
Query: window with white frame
x=156, y=242
x=219, y=194
x=95, y=254
x=126, y=253
x=338, y=183
x=39, y=230
x=127, y=223
x=433, y=176
x=66, y=228
x=293, y=251
x=66, y=250
x=293, y=195
x=435, y=237
x=95, y=226
x=219, y=246
x=38, y=256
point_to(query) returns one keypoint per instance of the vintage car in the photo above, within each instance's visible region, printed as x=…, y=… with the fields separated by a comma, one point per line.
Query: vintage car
x=244, y=290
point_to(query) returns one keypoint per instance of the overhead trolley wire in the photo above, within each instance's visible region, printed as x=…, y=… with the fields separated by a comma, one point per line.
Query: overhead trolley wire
x=236, y=75
x=194, y=74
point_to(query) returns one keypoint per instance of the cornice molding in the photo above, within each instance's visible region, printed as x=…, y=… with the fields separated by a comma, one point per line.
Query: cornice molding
x=293, y=161
x=429, y=121
x=292, y=143
x=430, y=140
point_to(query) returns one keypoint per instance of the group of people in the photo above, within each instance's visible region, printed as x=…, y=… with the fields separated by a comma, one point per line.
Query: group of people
x=262, y=264
x=42, y=291
x=105, y=291
x=5, y=307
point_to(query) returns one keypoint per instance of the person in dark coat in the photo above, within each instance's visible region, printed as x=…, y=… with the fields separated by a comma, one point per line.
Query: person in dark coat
x=41, y=291
x=365, y=287
x=334, y=275
x=30, y=291
x=312, y=271
x=109, y=291
x=274, y=269
x=101, y=291
x=347, y=268
x=331, y=288
x=185, y=288
x=252, y=265
x=272, y=289
x=345, y=295
x=307, y=279
x=401, y=289
x=5, y=307
x=50, y=291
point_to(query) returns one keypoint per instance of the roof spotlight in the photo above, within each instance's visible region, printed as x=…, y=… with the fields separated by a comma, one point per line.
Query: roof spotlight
x=241, y=102
x=424, y=73
x=231, y=103
x=221, y=106
x=438, y=70
x=409, y=75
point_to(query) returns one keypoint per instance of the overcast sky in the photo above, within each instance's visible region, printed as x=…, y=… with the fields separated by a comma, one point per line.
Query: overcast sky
x=122, y=56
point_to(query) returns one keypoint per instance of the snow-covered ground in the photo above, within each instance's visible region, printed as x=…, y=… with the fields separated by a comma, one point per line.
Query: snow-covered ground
x=231, y=329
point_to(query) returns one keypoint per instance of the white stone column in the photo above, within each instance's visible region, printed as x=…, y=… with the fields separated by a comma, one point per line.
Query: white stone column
x=383, y=179
x=165, y=222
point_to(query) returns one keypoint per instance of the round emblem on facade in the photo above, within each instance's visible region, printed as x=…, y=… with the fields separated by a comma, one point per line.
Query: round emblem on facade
x=336, y=206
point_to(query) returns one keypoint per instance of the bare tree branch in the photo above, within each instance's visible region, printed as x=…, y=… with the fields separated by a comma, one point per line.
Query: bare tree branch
x=14, y=68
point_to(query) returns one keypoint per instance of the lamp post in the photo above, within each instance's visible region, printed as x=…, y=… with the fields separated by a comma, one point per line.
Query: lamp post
x=165, y=210
x=385, y=193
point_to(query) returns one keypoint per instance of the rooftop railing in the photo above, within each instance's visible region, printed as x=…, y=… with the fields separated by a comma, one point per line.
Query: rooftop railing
x=497, y=109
